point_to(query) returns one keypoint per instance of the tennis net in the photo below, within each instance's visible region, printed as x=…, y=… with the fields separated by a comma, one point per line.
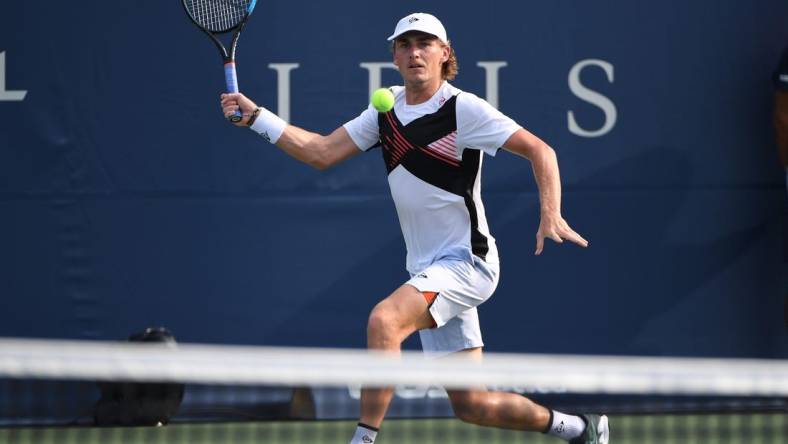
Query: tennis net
x=107, y=392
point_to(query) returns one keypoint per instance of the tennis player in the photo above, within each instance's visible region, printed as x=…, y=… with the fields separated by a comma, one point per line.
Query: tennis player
x=433, y=143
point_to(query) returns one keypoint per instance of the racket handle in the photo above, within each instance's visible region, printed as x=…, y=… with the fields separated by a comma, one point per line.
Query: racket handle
x=231, y=78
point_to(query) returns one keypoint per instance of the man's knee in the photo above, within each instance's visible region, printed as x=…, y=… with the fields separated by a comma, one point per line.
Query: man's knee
x=382, y=325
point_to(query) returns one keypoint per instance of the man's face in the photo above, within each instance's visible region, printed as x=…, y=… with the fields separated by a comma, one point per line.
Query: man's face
x=419, y=57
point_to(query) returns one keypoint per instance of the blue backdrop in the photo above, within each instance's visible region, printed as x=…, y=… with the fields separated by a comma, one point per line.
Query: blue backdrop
x=128, y=201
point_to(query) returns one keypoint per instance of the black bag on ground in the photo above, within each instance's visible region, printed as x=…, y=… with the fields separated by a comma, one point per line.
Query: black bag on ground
x=139, y=404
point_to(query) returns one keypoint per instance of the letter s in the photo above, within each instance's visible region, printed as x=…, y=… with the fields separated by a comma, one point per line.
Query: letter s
x=592, y=97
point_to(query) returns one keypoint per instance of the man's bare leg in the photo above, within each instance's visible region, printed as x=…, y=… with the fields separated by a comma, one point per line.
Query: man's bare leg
x=394, y=319
x=510, y=410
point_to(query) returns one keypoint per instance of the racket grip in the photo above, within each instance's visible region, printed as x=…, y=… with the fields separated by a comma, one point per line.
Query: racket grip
x=231, y=78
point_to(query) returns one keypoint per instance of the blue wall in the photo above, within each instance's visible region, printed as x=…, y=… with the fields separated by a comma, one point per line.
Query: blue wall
x=127, y=201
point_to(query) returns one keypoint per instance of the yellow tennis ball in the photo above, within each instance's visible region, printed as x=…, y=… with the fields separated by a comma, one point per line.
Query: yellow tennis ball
x=383, y=100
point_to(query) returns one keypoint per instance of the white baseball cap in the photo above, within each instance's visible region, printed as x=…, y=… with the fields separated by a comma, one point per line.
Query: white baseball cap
x=420, y=21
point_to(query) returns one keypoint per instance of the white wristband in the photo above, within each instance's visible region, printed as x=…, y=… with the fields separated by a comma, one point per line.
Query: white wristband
x=268, y=125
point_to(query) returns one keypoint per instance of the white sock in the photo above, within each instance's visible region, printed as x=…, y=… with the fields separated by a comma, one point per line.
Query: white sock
x=364, y=434
x=565, y=426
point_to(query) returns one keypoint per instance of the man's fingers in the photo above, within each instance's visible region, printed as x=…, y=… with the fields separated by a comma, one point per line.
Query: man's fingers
x=539, y=244
x=558, y=238
x=229, y=112
x=230, y=99
x=540, y=240
x=580, y=240
x=572, y=236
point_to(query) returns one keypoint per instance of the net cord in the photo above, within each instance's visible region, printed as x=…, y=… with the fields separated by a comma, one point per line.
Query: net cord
x=209, y=364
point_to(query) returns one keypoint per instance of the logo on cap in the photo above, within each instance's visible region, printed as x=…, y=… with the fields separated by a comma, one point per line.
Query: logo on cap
x=413, y=19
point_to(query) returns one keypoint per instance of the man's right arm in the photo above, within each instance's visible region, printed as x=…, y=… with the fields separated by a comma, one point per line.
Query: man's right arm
x=317, y=150
x=311, y=148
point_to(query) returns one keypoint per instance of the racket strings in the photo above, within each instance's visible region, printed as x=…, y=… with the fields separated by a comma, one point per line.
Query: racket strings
x=218, y=15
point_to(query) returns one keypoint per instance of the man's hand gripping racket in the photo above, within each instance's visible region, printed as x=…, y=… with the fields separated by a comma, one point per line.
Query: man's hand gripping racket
x=215, y=17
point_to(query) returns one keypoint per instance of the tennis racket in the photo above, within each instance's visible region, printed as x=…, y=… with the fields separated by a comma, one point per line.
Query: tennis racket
x=216, y=17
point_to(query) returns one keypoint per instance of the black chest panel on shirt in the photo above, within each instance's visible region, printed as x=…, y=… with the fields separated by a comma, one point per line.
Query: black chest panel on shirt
x=407, y=145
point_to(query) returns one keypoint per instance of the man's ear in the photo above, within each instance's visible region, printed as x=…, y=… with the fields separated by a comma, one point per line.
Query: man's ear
x=446, y=54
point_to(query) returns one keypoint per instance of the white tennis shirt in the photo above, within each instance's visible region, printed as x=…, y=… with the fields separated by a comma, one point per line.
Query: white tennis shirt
x=434, y=180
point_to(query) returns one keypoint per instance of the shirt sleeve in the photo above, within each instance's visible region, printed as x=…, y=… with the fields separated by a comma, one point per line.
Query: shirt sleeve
x=364, y=129
x=480, y=126
x=780, y=77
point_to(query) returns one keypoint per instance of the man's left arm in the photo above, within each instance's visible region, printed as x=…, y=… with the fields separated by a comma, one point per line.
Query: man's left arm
x=545, y=167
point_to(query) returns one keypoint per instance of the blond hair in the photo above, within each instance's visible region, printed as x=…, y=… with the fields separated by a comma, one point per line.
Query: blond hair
x=450, y=68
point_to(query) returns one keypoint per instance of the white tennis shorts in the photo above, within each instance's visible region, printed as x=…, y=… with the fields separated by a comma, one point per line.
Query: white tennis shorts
x=461, y=287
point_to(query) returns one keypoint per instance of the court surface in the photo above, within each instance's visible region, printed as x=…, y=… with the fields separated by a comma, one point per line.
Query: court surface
x=662, y=429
